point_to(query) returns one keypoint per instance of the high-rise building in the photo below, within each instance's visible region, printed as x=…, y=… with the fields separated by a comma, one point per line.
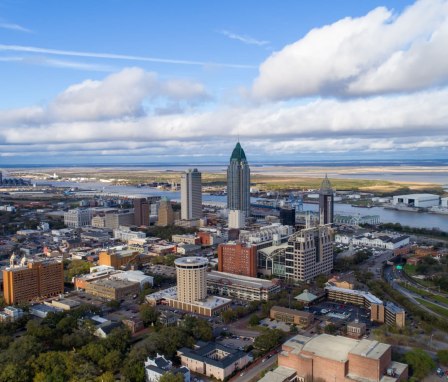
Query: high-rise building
x=239, y=259
x=37, y=279
x=166, y=214
x=191, y=195
x=141, y=212
x=191, y=279
x=237, y=219
x=309, y=253
x=288, y=216
x=238, y=181
x=326, y=202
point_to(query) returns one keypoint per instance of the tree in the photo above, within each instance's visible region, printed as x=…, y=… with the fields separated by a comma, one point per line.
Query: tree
x=442, y=355
x=268, y=340
x=321, y=280
x=419, y=362
x=148, y=314
x=254, y=320
x=170, y=377
x=228, y=316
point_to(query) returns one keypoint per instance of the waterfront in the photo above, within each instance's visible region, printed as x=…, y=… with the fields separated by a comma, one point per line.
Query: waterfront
x=412, y=219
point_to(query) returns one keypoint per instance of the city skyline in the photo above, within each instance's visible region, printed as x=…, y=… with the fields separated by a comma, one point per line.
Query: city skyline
x=301, y=81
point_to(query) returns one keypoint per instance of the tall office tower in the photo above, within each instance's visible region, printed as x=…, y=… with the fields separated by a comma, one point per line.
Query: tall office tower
x=191, y=279
x=1, y=177
x=166, y=214
x=326, y=202
x=309, y=253
x=238, y=181
x=38, y=279
x=288, y=216
x=191, y=195
x=141, y=212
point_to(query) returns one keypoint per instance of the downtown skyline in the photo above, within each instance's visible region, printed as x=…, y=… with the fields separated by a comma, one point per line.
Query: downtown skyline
x=177, y=83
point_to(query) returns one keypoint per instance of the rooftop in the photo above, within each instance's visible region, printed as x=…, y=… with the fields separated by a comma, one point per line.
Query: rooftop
x=331, y=347
x=238, y=153
x=305, y=296
x=183, y=261
x=368, y=296
x=291, y=311
x=370, y=349
x=203, y=354
x=247, y=281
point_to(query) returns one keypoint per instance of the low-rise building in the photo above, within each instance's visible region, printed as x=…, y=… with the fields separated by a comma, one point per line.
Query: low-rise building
x=356, y=329
x=379, y=312
x=341, y=359
x=416, y=200
x=11, y=314
x=125, y=234
x=78, y=217
x=241, y=287
x=158, y=366
x=213, y=360
x=112, y=289
x=186, y=239
x=291, y=316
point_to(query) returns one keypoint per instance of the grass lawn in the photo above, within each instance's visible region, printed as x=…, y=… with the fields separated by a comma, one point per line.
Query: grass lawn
x=434, y=307
x=424, y=293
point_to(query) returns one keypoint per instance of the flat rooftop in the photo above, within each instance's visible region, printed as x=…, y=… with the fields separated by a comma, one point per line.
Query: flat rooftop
x=191, y=261
x=335, y=348
x=367, y=295
x=247, y=281
x=171, y=294
x=370, y=349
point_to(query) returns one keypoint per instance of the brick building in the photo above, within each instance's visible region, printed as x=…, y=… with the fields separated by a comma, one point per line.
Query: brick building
x=37, y=279
x=341, y=359
x=239, y=259
x=291, y=316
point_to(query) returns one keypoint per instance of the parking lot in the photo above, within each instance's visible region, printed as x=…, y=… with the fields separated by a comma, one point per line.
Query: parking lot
x=274, y=324
x=342, y=312
x=236, y=342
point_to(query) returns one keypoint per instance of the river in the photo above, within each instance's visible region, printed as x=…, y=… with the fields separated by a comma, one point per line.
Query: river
x=412, y=219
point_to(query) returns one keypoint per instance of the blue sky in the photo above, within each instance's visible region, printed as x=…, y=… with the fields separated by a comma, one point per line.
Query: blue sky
x=173, y=81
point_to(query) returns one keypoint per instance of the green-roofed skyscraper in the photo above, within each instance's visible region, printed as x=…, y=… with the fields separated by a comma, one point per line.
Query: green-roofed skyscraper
x=238, y=181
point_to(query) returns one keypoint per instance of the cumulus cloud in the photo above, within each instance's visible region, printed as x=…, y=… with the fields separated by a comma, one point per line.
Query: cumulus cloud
x=121, y=95
x=376, y=53
x=372, y=124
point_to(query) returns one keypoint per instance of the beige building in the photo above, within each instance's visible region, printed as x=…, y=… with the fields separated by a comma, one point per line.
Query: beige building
x=291, y=316
x=191, y=195
x=191, y=279
x=166, y=214
x=309, y=253
x=112, y=289
x=114, y=220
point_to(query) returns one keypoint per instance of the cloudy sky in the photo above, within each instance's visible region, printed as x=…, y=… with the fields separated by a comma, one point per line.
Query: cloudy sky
x=179, y=81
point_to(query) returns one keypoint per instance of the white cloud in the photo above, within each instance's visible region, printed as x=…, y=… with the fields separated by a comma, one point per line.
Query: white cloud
x=14, y=27
x=244, y=38
x=378, y=52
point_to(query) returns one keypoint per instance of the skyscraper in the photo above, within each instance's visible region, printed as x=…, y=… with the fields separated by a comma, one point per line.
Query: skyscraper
x=141, y=212
x=166, y=214
x=326, y=202
x=191, y=195
x=238, y=181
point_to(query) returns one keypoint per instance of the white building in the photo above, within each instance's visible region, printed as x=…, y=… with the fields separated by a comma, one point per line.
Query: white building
x=125, y=234
x=133, y=276
x=374, y=240
x=266, y=233
x=155, y=368
x=237, y=219
x=444, y=202
x=191, y=195
x=417, y=200
x=78, y=217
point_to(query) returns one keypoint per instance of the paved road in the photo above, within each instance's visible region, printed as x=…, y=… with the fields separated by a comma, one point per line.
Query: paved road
x=391, y=275
x=255, y=369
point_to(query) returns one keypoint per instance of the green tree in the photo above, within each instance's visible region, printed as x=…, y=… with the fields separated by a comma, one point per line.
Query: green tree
x=419, y=362
x=111, y=361
x=268, y=340
x=321, y=280
x=170, y=377
x=148, y=314
x=106, y=377
x=254, y=320
x=76, y=268
x=228, y=316
x=442, y=355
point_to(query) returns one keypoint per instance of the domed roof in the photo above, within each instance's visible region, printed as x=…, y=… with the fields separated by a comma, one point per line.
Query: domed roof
x=326, y=185
x=238, y=153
